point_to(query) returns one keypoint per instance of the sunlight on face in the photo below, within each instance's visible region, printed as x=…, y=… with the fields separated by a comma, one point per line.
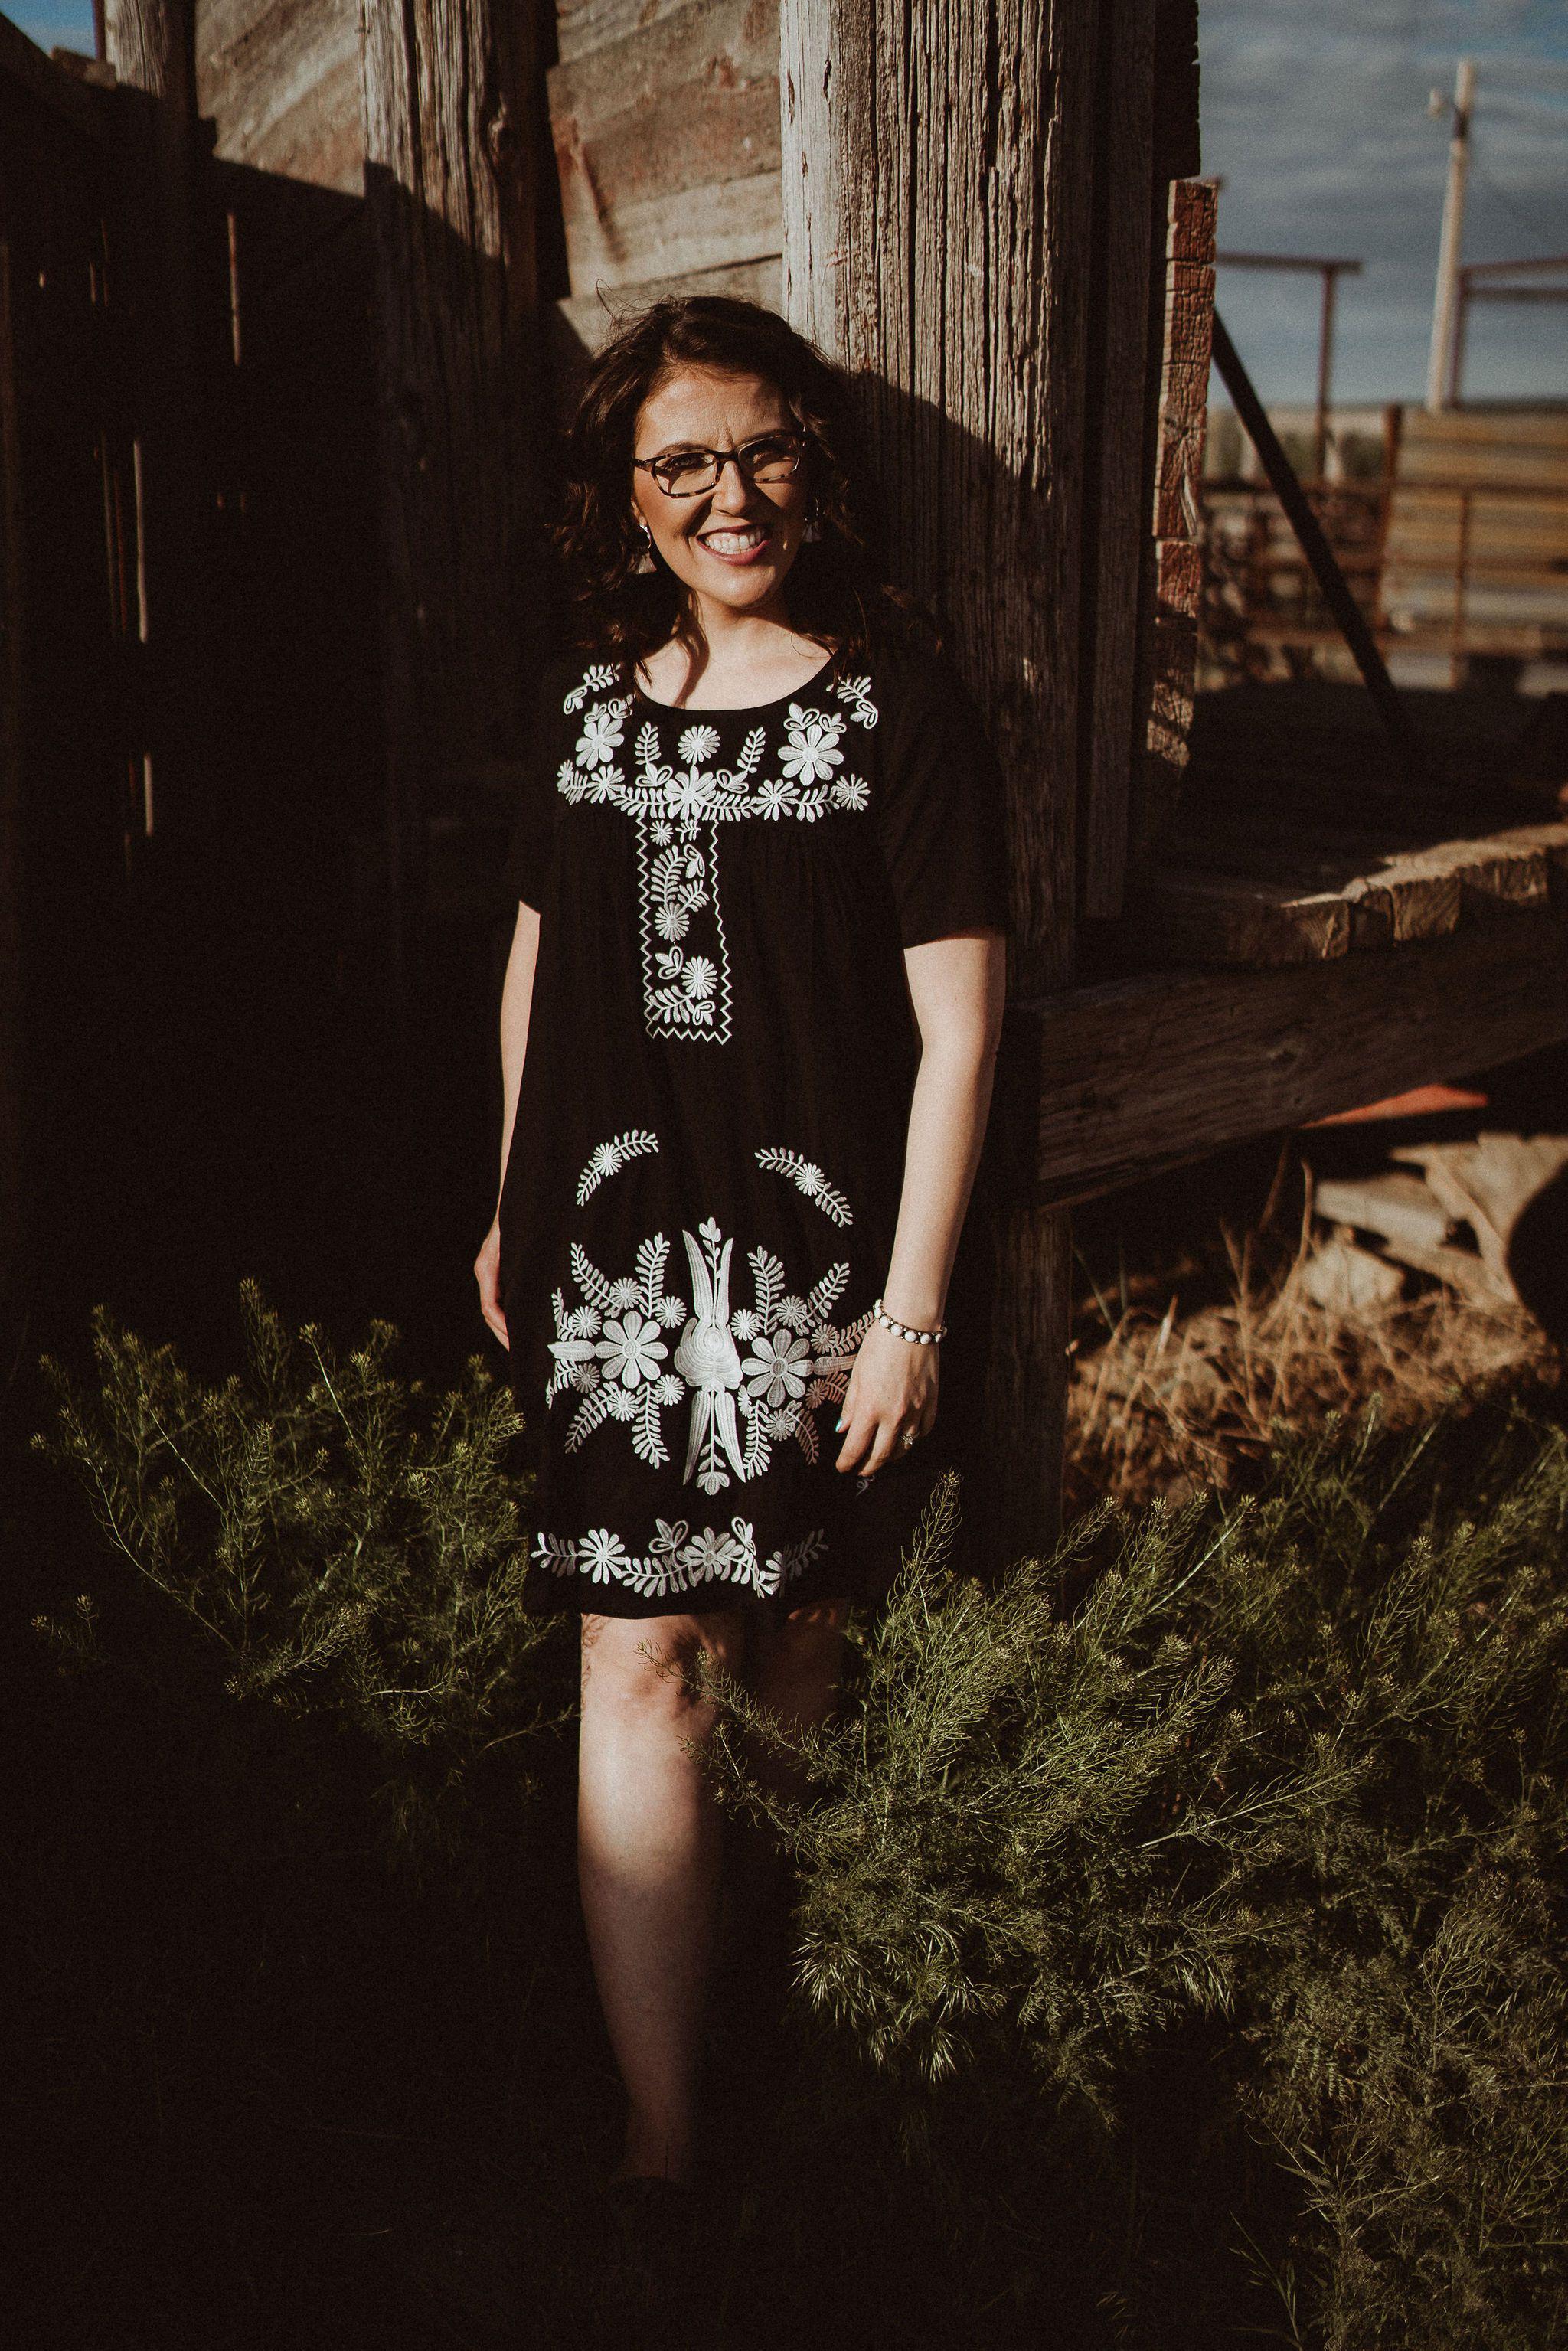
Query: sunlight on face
x=734, y=544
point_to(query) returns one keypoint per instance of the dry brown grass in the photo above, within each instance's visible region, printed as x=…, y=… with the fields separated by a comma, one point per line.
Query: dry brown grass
x=1163, y=1401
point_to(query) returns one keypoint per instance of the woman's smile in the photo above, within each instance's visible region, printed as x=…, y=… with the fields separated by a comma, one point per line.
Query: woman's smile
x=734, y=542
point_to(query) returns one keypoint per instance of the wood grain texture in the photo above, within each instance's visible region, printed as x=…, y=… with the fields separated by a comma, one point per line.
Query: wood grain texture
x=936, y=168
x=1116, y=519
x=1103, y=1085
x=666, y=145
x=450, y=175
x=279, y=82
x=581, y=25
x=1168, y=651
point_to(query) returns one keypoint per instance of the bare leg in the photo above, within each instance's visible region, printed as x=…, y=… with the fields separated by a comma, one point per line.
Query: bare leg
x=649, y=1837
x=794, y=1674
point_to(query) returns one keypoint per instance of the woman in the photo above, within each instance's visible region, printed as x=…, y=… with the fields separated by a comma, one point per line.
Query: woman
x=748, y=1032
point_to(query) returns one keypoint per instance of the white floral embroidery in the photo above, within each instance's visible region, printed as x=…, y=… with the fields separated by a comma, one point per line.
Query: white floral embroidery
x=676, y=810
x=856, y=692
x=677, y=1561
x=812, y=752
x=809, y=1179
x=592, y=681
x=609, y=1350
x=609, y=1158
x=604, y=732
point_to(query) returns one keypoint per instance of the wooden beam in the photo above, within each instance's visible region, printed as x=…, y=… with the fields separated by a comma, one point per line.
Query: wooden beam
x=1103, y=1086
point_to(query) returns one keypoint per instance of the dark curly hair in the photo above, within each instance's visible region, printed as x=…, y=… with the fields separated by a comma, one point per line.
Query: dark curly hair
x=837, y=593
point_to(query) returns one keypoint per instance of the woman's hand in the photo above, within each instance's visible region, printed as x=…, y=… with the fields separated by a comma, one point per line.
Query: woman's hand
x=893, y=1387
x=488, y=1274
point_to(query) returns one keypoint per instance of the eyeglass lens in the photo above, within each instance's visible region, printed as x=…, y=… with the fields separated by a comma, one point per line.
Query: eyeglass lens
x=687, y=472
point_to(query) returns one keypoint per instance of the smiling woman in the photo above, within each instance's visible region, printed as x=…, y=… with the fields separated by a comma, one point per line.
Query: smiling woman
x=747, y=1035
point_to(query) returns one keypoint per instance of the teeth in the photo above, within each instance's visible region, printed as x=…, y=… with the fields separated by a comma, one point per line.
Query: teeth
x=733, y=542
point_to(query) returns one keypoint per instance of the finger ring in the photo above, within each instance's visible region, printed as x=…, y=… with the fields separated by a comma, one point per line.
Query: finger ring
x=908, y=1439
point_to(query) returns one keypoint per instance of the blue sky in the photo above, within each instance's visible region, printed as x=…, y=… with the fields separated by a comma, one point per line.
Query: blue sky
x=1315, y=113
x=63, y=24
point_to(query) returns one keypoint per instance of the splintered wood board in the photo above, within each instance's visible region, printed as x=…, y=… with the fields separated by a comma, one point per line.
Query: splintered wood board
x=1258, y=894
x=1101, y=1086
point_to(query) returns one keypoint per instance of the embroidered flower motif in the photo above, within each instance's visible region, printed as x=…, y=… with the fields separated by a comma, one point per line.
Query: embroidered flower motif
x=745, y=1323
x=661, y=832
x=669, y=1385
x=794, y=1313
x=630, y=1349
x=688, y=797
x=624, y=1293
x=699, y=978
x=604, y=732
x=709, y=1554
x=697, y=744
x=850, y=793
x=813, y=751
x=775, y=798
x=602, y=1554
x=779, y=1368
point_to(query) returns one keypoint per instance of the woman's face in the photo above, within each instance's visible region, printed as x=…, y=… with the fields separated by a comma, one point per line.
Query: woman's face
x=734, y=544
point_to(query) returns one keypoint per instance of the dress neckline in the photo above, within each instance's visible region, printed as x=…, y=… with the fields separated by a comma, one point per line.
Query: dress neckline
x=696, y=713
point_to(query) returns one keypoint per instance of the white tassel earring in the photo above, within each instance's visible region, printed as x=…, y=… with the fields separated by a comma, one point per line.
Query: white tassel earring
x=645, y=560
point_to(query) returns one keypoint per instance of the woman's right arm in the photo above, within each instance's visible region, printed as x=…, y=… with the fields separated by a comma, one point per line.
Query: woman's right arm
x=517, y=998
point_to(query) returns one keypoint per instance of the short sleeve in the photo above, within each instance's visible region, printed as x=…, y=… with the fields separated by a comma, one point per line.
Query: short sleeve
x=533, y=821
x=939, y=808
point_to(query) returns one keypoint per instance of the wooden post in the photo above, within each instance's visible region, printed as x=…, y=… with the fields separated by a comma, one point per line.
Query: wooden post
x=452, y=107
x=937, y=194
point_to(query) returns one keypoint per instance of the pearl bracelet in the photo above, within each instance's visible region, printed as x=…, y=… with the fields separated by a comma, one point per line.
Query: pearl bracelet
x=907, y=1329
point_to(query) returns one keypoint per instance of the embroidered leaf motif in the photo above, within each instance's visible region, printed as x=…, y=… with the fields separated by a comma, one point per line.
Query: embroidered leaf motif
x=809, y=1179
x=609, y=1158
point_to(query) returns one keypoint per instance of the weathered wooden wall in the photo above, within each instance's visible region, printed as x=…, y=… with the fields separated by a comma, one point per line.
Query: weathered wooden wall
x=451, y=185
x=69, y=790
x=280, y=86
x=665, y=127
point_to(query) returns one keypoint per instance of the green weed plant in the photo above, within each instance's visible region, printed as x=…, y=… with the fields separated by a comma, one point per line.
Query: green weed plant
x=329, y=1539
x=1288, y=1773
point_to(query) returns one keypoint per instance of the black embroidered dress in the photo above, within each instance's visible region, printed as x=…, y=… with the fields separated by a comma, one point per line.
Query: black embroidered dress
x=700, y=1198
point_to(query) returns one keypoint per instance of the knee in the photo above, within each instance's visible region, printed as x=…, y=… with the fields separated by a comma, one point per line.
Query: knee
x=645, y=1671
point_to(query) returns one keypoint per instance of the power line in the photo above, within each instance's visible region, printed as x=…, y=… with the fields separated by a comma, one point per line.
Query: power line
x=1552, y=240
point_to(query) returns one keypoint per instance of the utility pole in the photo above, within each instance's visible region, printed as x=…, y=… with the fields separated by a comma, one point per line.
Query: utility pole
x=1441, y=363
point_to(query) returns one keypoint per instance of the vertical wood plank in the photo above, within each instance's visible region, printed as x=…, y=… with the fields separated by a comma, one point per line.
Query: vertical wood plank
x=1170, y=637
x=1116, y=520
x=936, y=197
x=450, y=160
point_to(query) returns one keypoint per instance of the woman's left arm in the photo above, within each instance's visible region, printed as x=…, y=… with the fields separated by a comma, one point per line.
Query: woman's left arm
x=956, y=986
